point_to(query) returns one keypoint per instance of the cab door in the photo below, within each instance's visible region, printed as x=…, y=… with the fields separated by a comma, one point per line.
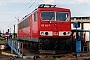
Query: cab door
x=30, y=26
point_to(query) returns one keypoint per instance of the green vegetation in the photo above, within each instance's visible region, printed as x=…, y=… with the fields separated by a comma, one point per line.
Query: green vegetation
x=2, y=40
x=14, y=38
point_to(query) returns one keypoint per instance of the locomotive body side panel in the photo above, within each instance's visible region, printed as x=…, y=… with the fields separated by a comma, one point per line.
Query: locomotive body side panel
x=34, y=27
x=24, y=29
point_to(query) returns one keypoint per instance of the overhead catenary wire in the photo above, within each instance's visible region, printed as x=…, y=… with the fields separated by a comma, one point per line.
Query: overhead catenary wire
x=22, y=11
x=8, y=17
x=17, y=13
x=26, y=11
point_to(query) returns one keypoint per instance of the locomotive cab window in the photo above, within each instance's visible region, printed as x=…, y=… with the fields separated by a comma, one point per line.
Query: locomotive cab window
x=54, y=16
x=61, y=16
x=35, y=16
x=47, y=15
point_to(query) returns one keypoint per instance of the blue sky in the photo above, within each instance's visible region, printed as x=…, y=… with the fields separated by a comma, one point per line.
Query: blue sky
x=11, y=10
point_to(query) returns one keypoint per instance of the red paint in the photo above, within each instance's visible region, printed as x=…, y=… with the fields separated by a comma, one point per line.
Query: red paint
x=34, y=28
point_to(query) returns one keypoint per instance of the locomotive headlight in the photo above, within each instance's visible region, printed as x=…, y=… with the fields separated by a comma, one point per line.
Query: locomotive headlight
x=42, y=33
x=46, y=33
x=64, y=33
x=68, y=33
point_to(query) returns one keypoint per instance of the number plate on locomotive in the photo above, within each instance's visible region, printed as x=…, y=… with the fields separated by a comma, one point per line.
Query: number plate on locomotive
x=55, y=33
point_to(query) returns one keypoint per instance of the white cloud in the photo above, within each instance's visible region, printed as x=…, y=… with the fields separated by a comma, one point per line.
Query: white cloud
x=15, y=0
x=0, y=3
x=83, y=1
x=48, y=2
x=69, y=2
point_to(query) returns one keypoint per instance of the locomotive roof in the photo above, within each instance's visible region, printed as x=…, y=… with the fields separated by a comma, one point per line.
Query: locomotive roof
x=41, y=6
x=49, y=6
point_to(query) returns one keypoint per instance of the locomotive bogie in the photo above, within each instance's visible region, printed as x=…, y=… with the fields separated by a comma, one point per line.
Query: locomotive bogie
x=55, y=44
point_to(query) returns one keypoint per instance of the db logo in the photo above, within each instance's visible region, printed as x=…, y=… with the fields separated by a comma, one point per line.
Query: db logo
x=55, y=33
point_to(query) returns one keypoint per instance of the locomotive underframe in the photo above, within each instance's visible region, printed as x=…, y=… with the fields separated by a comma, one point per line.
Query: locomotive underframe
x=60, y=44
x=56, y=44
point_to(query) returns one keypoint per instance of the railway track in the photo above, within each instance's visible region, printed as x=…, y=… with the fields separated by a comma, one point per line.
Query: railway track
x=31, y=54
x=28, y=54
x=71, y=56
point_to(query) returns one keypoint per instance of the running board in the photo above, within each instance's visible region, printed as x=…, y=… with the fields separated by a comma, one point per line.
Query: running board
x=52, y=51
x=47, y=51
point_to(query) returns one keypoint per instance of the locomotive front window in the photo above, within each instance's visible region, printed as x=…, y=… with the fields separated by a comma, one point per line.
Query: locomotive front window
x=61, y=16
x=48, y=15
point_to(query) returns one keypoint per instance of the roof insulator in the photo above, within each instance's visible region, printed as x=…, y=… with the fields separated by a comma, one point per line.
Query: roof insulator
x=46, y=6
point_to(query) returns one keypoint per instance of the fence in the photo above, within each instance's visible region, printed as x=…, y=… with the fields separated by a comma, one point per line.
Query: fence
x=16, y=46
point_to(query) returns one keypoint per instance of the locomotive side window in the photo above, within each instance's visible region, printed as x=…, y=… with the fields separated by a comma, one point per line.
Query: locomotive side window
x=35, y=16
x=23, y=24
x=26, y=22
x=61, y=16
x=48, y=16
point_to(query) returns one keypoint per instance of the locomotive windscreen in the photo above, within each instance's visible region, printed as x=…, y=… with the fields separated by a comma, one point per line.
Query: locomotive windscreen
x=61, y=16
x=48, y=16
x=55, y=16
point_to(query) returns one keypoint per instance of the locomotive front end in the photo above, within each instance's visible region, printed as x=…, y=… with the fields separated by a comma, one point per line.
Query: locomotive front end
x=55, y=22
x=54, y=28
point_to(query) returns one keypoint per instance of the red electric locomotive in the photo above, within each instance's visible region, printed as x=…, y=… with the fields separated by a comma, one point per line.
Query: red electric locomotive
x=47, y=28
